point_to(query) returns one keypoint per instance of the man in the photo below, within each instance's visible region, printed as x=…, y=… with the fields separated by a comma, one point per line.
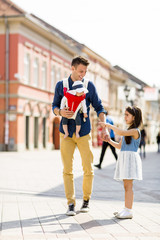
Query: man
x=106, y=144
x=67, y=145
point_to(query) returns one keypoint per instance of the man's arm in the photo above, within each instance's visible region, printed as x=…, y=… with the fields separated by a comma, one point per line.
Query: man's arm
x=63, y=112
x=57, y=100
x=97, y=104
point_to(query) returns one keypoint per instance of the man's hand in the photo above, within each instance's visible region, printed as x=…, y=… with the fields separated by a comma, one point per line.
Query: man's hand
x=66, y=113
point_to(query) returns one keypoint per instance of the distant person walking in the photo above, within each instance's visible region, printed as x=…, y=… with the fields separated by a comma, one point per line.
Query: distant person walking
x=143, y=143
x=158, y=141
x=106, y=144
x=129, y=164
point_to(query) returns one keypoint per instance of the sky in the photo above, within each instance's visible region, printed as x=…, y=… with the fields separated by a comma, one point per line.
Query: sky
x=124, y=32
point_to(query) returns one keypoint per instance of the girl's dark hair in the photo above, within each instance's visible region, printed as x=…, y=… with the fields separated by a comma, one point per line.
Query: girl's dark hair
x=137, y=113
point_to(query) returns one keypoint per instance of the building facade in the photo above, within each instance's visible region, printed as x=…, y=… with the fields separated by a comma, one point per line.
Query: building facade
x=34, y=57
x=33, y=60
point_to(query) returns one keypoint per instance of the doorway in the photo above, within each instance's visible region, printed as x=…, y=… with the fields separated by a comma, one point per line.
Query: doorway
x=36, y=132
x=44, y=132
x=56, y=135
x=27, y=132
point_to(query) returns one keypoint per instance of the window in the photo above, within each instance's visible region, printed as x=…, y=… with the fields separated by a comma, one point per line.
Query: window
x=35, y=72
x=102, y=88
x=27, y=68
x=65, y=74
x=44, y=75
x=53, y=78
x=58, y=75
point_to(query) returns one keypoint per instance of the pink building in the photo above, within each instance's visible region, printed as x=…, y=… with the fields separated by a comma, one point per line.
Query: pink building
x=33, y=57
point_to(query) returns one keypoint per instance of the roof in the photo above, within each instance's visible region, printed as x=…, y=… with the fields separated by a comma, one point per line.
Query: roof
x=61, y=35
x=8, y=8
x=131, y=77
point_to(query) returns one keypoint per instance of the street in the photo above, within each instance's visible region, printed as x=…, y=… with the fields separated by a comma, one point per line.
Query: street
x=33, y=203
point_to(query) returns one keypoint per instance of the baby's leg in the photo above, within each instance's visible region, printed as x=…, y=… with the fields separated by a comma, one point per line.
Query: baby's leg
x=65, y=128
x=78, y=124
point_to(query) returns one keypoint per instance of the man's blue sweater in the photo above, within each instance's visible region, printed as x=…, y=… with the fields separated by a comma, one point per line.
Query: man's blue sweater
x=91, y=98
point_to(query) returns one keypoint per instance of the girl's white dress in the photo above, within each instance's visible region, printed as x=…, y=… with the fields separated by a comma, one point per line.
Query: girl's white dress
x=129, y=164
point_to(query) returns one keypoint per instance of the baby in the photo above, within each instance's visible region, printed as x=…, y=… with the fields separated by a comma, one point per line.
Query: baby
x=75, y=100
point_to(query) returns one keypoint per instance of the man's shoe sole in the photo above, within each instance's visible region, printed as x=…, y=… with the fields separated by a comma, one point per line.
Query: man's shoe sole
x=70, y=213
x=84, y=210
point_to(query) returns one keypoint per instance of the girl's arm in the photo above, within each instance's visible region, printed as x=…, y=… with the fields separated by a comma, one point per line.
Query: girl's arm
x=115, y=144
x=131, y=132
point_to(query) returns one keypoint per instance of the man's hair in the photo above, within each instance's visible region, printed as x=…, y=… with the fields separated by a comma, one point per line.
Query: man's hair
x=79, y=60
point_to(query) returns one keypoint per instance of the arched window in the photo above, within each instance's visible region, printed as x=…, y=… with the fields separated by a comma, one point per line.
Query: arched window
x=35, y=72
x=53, y=78
x=58, y=75
x=27, y=68
x=44, y=75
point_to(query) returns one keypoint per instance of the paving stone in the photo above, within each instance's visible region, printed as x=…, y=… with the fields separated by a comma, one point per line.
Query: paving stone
x=33, y=203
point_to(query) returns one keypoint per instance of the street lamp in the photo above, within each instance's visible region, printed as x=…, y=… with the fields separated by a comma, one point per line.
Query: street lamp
x=126, y=92
x=141, y=91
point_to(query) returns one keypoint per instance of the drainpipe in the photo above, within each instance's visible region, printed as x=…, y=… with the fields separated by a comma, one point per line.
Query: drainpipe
x=6, y=138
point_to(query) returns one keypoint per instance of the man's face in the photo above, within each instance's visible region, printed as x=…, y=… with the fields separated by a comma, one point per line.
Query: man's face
x=78, y=72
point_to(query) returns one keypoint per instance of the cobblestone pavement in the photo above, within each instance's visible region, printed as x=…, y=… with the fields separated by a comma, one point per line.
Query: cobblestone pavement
x=33, y=204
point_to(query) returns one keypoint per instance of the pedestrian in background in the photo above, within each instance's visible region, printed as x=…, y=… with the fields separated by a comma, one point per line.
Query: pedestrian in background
x=106, y=144
x=143, y=143
x=68, y=145
x=129, y=164
x=158, y=141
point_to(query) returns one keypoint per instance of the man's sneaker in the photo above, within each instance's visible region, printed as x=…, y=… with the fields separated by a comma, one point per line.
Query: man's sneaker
x=71, y=210
x=98, y=166
x=85, y=206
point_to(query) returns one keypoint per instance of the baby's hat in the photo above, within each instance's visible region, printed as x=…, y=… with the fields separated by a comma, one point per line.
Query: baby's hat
x=78, y=87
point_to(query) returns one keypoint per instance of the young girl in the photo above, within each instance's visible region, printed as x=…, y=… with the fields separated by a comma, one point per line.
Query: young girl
x=129, y=165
